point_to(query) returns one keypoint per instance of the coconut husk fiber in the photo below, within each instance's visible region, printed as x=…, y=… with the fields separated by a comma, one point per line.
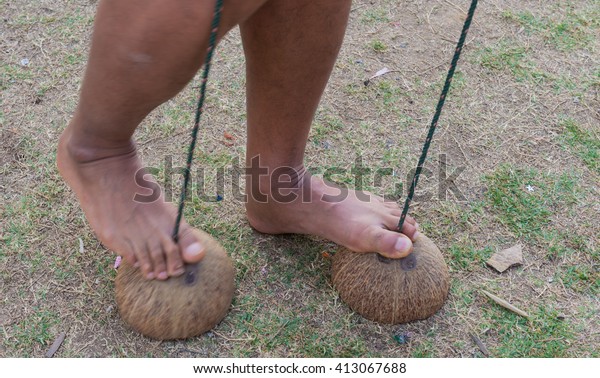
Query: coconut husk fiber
x=180, y=307
x=393, y=291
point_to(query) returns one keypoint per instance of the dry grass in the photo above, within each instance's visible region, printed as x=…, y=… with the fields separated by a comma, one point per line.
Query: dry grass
x=522, y=112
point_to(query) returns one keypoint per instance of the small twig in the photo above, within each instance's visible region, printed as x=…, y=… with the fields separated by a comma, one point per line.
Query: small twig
x=429, y=22
x=447, y=40
x=279, y=330
x=453, y=42
x=461, y=150
x=431, y=68
x=357, y=7
x=543, y=291
x=479, y=344
x=556, y=107
x=505, y=304
x=76, y=353
x=456, y=6
x=460, y=9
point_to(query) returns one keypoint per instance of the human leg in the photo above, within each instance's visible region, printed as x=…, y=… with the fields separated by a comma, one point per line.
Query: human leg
x=291, y=47
x=143, y=53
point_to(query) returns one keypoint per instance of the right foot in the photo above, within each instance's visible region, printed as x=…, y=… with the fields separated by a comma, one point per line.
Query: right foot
x=103, y=180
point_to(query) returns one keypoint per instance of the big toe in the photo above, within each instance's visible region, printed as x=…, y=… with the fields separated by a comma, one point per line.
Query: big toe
x=389, y=244
x=192, y=250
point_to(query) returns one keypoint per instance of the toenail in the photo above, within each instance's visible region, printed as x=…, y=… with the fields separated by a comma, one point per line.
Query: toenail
x=178, y=272
x=401, y=245
x=163, y=276
x=193, y=250
x=150, y=276
x=416, y=235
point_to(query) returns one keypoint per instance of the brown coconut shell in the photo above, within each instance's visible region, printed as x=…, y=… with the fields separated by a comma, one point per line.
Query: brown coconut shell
x=179, y=307
x=393, y=291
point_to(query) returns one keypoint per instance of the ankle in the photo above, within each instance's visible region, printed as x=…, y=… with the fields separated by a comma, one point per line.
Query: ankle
x=268, y=182
x=83, y=148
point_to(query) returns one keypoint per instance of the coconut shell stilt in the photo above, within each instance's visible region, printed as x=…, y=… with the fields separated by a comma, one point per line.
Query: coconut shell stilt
x=393, y=291
x=180, y=307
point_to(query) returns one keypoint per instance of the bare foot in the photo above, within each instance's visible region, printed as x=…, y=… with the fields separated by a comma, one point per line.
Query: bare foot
x=359, y=221
x=103, y=178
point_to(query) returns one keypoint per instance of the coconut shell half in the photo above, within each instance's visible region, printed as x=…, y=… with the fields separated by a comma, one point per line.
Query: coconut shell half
x=179, y=307
x=393, y=291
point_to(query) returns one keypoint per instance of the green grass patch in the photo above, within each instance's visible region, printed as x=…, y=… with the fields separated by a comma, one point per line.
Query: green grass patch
x=19, y=220
x=424, y=349
x=582, y=142
x=570, y=31
x=564, y=83
x=33, y=330
x=74, y=59
x=464, y=256
x=580, y=278
x=12, y=73
x=375, y=16
x=459, y=81
x=326, y=126
x=510, y=56
x=525, y=199
x=389, y=92
x=556, y=248
x=463, y=295
x=378, y=46
x=545, y=335
x=293, y=334
x=456, y=218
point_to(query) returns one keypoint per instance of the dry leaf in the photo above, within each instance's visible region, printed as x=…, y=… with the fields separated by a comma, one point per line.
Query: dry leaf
x=227, y=135
x=506, y=258
x=479, y=344
x=56, y=344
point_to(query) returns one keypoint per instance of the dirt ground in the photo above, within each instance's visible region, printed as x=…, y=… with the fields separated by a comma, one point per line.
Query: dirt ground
x=518, y=138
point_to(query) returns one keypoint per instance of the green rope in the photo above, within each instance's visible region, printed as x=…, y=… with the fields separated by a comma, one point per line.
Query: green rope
x=212, y=42
x=438, y=111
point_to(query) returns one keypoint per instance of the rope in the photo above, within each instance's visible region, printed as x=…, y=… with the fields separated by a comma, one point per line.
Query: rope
x=438, y=111
x=212, y=41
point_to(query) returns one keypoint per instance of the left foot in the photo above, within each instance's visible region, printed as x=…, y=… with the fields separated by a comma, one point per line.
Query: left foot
x=360, y=221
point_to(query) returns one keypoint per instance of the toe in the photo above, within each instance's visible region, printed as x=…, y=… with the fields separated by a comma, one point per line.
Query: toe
x=192, y=250
x=144, y=262
x=395, y=212
x=391, y=205
x=410, y=220
x=410, y=230
x=388, y=243
x=173, y=257
x=128, y=254
x=157, y=255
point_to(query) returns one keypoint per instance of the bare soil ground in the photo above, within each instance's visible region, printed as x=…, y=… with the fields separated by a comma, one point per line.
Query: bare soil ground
x=519, y=131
